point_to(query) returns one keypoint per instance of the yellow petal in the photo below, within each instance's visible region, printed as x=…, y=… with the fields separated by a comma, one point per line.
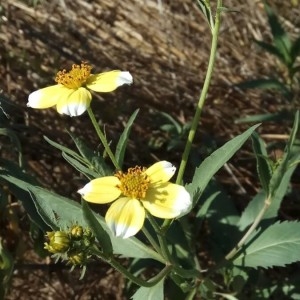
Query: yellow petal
x=168, y=201
x=125, y=217
x=108, y=81
x=160, y=172
x=75, y=103
x=101, y=190
x=47, y=97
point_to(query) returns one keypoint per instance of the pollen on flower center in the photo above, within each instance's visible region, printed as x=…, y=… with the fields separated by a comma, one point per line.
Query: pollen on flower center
x=76, y=77
x=134, y=183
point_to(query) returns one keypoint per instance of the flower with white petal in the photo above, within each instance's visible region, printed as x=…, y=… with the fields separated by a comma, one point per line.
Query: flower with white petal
x=136, y=191
x=71, y=94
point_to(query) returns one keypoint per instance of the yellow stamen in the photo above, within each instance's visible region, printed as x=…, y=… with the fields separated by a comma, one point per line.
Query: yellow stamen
x=134, y=183
x=75, y=78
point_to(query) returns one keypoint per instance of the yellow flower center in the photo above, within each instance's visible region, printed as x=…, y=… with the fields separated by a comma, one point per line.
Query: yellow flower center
x=75, y=78
x=134, y=183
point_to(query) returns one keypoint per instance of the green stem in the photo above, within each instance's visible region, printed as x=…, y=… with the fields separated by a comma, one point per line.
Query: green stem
x=161, y=239
x=115, y=264
x=102, y=138
x=151, y=240
x=258, y=218
x=239, y=245
x=202, y=98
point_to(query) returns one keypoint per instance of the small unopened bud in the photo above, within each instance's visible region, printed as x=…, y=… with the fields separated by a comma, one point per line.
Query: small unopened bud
x=76, y=231
x=59, y=242
x=76, y=258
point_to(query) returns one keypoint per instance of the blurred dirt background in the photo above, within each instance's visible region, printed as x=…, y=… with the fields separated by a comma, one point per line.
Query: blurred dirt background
x=165, y=45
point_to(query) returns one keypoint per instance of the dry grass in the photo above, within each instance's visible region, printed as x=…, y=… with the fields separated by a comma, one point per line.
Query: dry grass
x=165, y=45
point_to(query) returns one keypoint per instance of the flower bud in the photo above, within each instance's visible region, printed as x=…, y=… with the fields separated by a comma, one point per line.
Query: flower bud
x=59, y=242
x=76, y=231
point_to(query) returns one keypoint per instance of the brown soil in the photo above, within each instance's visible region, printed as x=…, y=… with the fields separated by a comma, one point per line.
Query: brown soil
x=165, y=45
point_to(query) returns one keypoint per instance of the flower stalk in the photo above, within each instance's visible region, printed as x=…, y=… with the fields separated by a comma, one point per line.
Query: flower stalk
x=102, y=138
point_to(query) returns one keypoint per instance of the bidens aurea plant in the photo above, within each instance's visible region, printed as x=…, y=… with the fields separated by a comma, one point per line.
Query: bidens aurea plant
x=146, y=219
x=137, y=191
x=71, y=94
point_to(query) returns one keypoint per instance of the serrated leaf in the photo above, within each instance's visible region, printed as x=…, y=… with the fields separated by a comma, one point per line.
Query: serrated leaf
x=280, y=37
x=97, y=229
x=278, y=245
x=123, y=141
x=214, y=162
x=263, y=166
x=65, y=212
x=153, y=293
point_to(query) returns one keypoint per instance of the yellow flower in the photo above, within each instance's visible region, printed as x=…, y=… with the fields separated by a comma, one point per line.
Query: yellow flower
x=70, y=94
x=138, y=190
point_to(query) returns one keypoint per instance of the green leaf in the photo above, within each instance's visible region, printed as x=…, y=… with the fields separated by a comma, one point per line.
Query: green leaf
x=64, y=149
x=8, y=167
x=14, y=140
x=204, y=6
x=255, y=206
x=90, y=174
x=271, y=49
x=278, y=245
x=153, y=293
x=295, y=51
x=98, y=231
x=123, y=141
x=280, y=37
x=264, y=168
x=64, y=212
x=6, y=269
x=281, y=169
x=214, y=162
x=265, y=84
x=280, y=116
x=95, y=162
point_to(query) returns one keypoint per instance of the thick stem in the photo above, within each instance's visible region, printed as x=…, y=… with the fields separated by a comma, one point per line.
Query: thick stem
x=102, y=138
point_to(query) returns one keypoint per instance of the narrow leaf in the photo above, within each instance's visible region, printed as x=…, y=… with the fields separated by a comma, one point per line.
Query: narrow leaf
x=281, y=169
x=98, y=231
x=295, y=51
x=278, y=245
x=283, y=115
x=123, y=141
x=64, y=149
x=264, y=168
x=264, y=84
x=206, y=11
x=255, y=206
x=90, y=174
x=153, y=293
x=281, y=39
x=95, y=162
x=214, y=162
x=271, y=49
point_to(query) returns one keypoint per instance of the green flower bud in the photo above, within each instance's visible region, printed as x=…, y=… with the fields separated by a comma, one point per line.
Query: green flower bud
x=78, y=258
x=76, y=231
x=59, y=242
